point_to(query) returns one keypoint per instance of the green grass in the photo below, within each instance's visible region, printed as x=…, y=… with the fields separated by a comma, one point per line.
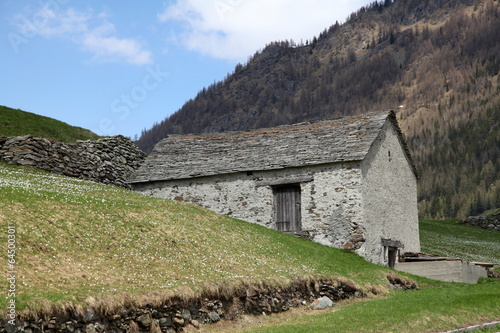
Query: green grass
x=452, y=239
x=438, y=306
x=428, y=310
x=77, y=239
x=492, y=212
x=16, y=122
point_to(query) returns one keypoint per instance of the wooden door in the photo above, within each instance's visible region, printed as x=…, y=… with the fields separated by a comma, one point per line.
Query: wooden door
x=287, y=208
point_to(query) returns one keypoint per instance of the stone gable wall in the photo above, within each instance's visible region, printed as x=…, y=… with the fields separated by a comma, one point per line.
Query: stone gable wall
x=107, y=160
x=389, y=198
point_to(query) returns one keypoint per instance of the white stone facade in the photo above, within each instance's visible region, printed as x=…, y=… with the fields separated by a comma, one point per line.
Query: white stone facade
x=389, y=197
x=330, y=208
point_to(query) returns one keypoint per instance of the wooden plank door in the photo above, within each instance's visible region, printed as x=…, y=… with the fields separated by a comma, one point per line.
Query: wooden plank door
x=287, y=208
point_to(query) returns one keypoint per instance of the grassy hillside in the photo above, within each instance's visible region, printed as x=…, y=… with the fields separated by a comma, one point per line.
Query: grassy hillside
x=80, y=241
x=452, y=239
x=16, y=122
x=76, y=238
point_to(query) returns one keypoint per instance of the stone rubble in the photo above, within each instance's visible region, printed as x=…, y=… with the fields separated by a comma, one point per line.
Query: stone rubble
x=109, y=160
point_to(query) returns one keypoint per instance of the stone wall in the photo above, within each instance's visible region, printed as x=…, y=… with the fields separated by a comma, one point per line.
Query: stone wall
x=330, y=199
x=108, y=160
x=175, y=315
x=484, y=222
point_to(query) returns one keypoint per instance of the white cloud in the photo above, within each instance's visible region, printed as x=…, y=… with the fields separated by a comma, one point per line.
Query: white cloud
x=111, y=48
x=95, y=35
x=235, y=29
x=46, y=22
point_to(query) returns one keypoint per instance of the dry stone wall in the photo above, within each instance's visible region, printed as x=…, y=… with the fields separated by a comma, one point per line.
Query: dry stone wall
x=108, y=160
x=484, y=222
x=178, y=315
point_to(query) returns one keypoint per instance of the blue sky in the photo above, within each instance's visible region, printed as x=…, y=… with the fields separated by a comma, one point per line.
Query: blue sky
x=117, y=67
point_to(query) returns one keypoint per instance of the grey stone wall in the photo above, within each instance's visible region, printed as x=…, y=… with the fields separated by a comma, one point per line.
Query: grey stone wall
x=331, y=200
x=108, y=160
x=485, y=222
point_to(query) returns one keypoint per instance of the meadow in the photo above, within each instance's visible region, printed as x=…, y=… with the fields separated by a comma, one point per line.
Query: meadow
x=77, y=239
x=79, y=242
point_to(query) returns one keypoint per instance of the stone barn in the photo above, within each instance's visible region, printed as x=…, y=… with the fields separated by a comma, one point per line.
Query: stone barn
x=348, y=183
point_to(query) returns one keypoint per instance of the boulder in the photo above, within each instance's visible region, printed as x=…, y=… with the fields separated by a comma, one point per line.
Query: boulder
x=321, y=303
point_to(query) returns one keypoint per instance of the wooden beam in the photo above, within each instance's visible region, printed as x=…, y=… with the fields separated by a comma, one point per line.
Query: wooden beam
x=284, y=181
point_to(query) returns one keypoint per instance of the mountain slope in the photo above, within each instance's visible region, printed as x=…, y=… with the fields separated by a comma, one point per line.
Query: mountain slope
x=436, y=62
x=17, y=122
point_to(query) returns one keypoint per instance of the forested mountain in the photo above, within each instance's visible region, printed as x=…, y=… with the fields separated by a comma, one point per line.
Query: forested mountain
x=436, y=62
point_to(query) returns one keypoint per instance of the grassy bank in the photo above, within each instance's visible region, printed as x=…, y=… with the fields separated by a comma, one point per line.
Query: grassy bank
x=438, y=306
x=433, y=309
x=77, y=239
x=17, y=122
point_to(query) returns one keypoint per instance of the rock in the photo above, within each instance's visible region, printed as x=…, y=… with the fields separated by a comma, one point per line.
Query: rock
x=69, y=328
x=213, y=316
x=357, y=238
x=186, y=315
x=178, y=321
x=90, y=328
x=165, y=322
x=9, y=328
x=321, y=303
x=90, y=316
x=195, y=323
x=144, y=320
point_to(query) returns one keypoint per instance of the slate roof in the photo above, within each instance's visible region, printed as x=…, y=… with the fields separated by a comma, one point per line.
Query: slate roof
x=311, y=143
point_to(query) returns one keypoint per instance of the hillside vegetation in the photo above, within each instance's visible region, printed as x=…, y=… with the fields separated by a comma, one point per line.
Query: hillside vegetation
x=17, y=122
x=436, y=62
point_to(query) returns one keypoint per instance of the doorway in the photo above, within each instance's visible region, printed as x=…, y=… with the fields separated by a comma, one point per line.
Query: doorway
x=392, y=255
x=287, y=208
